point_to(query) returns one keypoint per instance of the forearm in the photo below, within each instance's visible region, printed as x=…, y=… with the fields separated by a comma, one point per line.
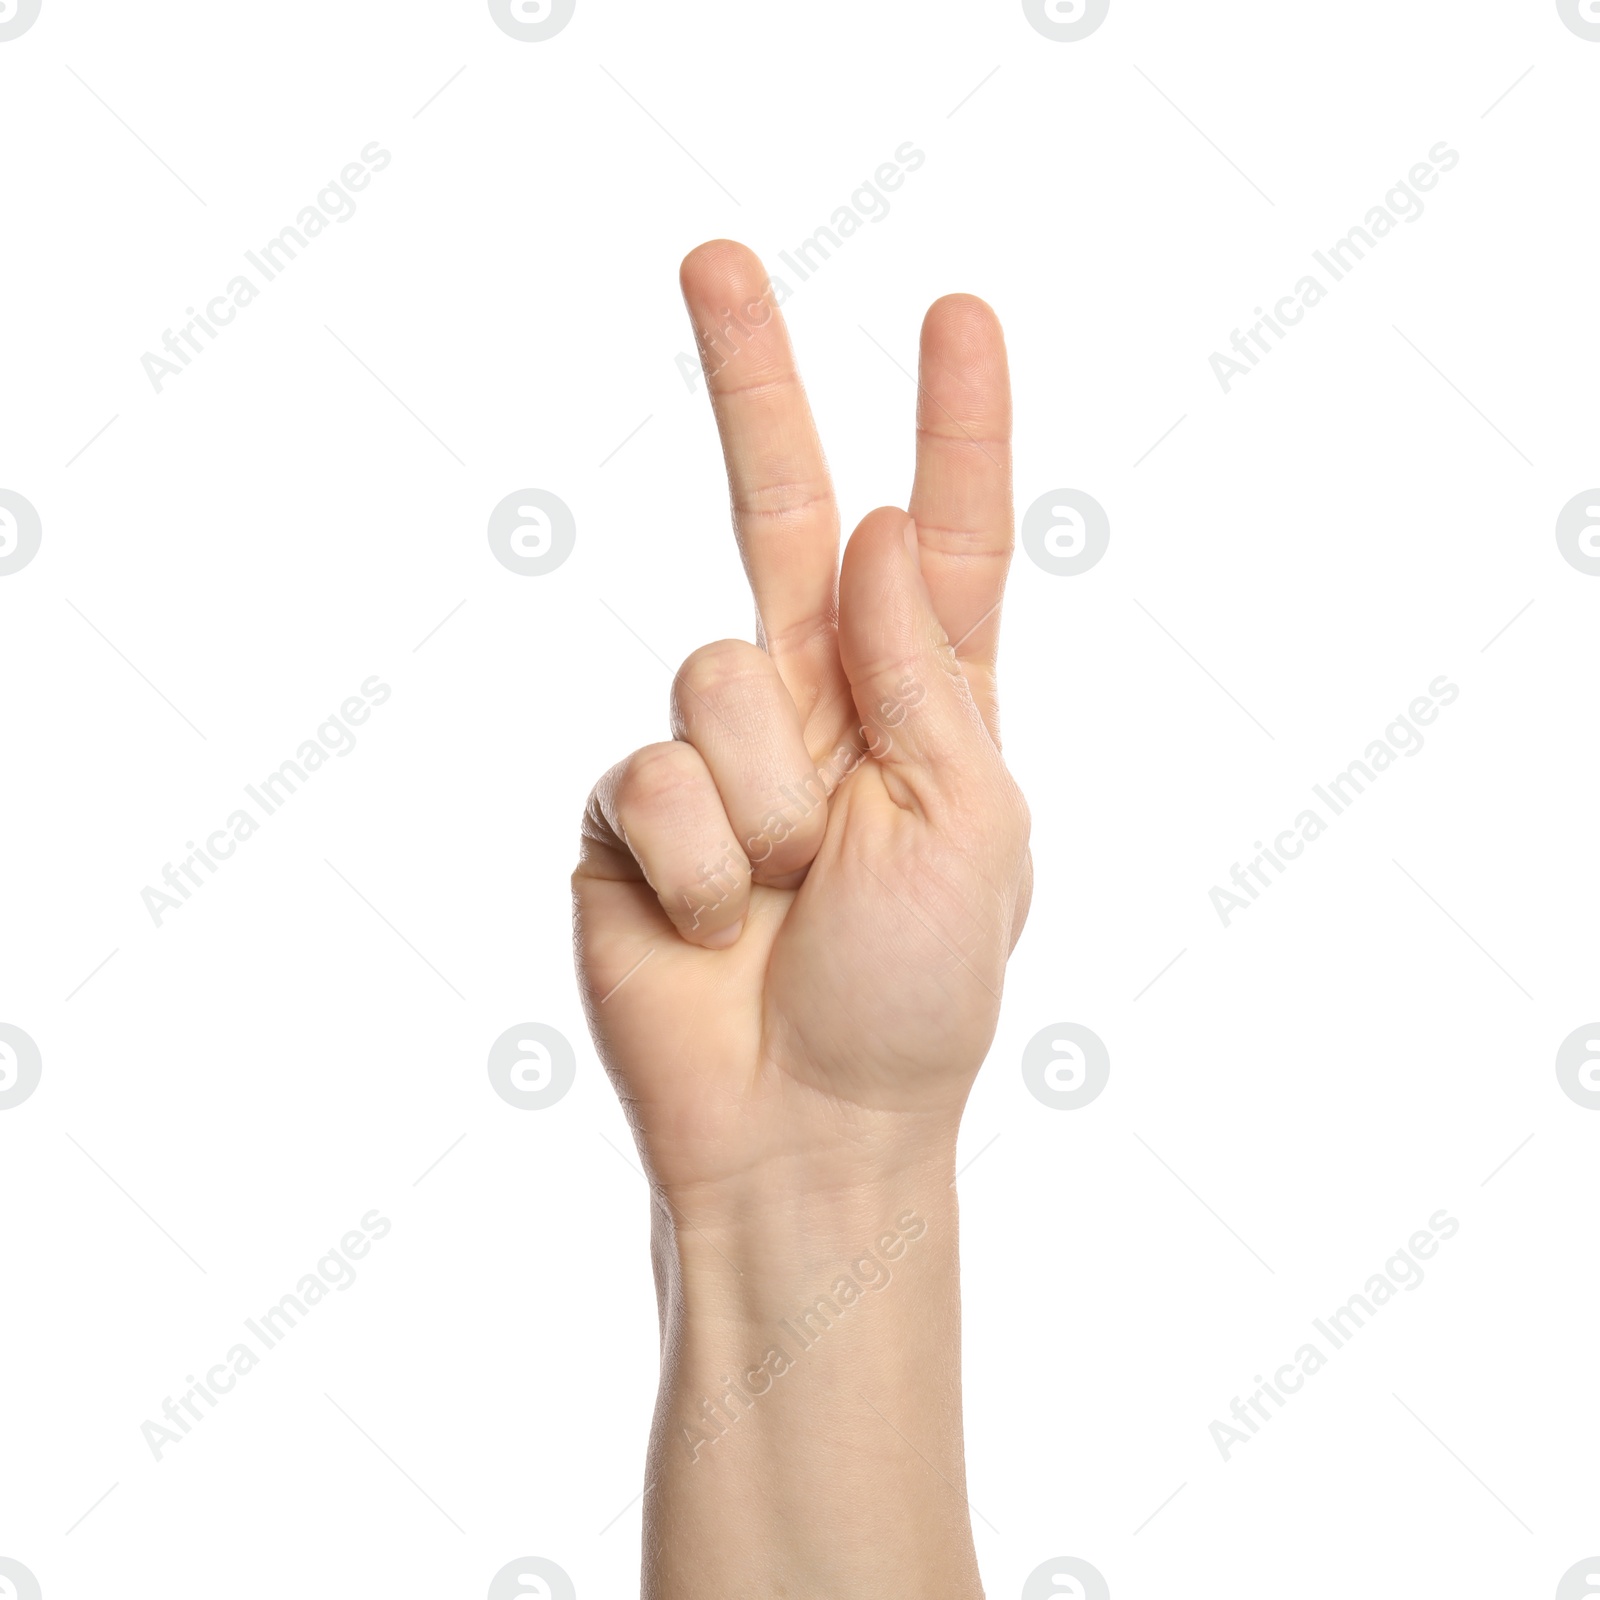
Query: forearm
x=807, y=1438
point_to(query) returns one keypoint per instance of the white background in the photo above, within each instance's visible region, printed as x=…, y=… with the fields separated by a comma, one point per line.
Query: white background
x=1289, y=1101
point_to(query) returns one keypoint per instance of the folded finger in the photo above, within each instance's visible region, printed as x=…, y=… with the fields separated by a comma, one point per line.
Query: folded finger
x=730, y=703
x=658, y=816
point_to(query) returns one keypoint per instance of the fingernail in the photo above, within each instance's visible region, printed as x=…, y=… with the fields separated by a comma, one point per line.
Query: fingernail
x=913, y=545
x=724, y=937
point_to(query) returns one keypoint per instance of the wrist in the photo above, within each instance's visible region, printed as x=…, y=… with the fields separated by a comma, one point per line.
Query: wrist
x=806, y=1299
x=789, y=1249
x=733, y=1251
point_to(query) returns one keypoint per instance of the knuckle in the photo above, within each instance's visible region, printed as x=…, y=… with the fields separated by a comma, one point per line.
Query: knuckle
x=764, y=385
x=656, y=778
x=722, y=662
x=798, y=637
x=784, y=498
x=718, y=675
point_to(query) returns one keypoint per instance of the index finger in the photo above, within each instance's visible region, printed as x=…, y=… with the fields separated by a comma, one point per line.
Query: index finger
x=784, y=511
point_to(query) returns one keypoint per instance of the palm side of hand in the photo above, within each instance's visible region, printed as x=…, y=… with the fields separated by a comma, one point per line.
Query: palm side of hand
x=793, y=918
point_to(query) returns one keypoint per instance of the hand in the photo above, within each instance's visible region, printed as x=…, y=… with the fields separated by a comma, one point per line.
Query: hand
x=793, y=918
x=793, y=921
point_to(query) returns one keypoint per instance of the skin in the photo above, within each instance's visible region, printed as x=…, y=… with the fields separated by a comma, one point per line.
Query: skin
x=793, y=920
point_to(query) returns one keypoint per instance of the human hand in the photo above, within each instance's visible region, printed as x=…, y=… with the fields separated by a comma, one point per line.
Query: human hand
x=793, y=921
x=793, y=918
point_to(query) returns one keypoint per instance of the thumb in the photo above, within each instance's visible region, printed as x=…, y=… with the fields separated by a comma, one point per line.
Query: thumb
x=918, y=719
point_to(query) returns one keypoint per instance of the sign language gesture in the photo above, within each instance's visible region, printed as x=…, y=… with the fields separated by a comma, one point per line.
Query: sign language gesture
x=793, y=919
